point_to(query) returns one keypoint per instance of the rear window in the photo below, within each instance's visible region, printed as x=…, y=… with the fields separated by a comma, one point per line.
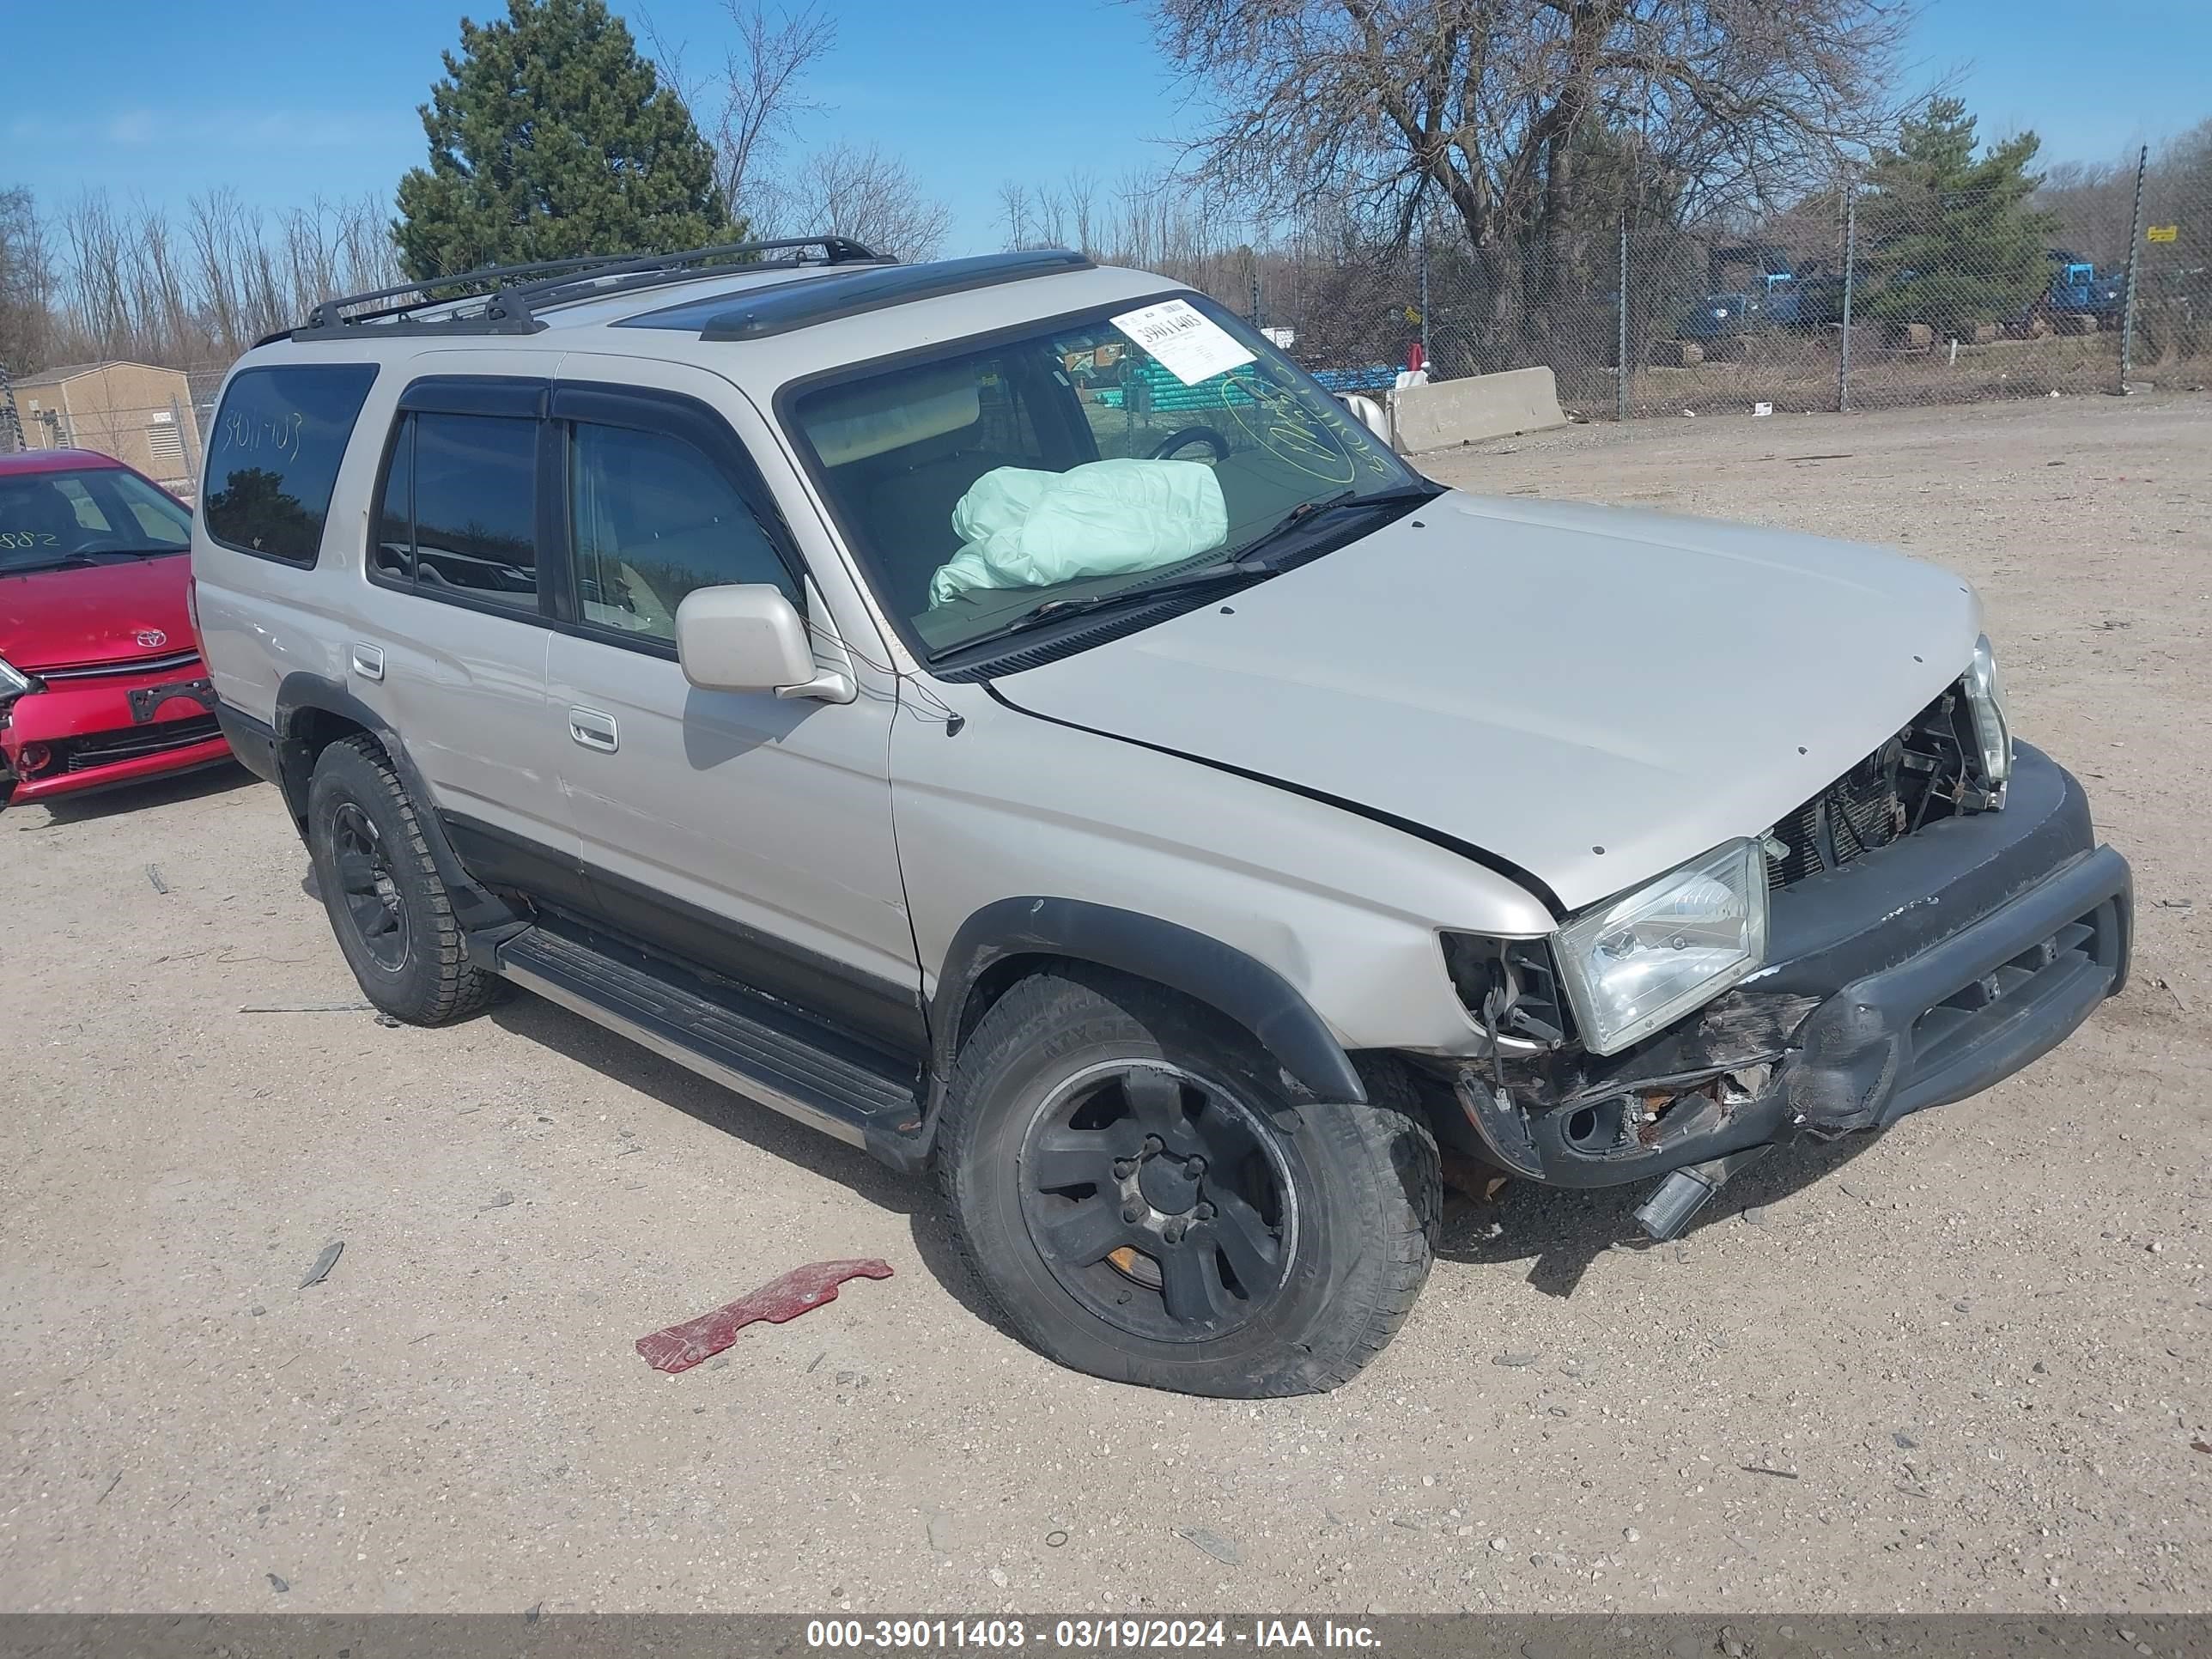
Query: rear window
x=273, y=456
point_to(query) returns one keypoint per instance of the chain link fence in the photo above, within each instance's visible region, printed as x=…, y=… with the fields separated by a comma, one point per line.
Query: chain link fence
x=1856, y=298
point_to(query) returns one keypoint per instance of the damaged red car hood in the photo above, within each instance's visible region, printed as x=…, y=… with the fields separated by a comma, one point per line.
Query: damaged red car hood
x=109, y=612
x=1592, y=694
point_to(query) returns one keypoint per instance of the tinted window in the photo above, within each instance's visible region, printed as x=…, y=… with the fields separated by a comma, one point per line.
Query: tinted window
x=476, y=507
x=654, y=518
x=274, y=455
x=392, y=552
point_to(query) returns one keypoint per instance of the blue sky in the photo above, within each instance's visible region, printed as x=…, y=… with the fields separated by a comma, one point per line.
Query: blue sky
x=281, y=103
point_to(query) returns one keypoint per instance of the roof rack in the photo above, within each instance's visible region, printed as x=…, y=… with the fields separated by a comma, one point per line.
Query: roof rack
x=778, y=309
x=506, y=302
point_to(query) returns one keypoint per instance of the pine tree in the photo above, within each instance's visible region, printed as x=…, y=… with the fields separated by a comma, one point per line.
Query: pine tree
x=1953, y=240
x=552, y=137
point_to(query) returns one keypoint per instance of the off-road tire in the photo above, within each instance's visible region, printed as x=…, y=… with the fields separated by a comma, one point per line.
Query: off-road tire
x=433, y=983
x=1367, y=1177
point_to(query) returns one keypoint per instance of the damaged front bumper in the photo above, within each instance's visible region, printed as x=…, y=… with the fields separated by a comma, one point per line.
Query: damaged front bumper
x=82, y=729
x=1913, y=978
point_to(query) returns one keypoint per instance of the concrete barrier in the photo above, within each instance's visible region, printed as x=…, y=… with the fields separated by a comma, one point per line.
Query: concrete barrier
x=1480, y=406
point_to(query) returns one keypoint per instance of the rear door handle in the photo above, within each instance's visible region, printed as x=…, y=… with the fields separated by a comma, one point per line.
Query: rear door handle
x=592, y=729
x=368, y=661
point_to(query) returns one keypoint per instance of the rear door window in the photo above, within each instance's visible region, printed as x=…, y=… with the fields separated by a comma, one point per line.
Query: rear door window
x=274, y=454
x=474, y=514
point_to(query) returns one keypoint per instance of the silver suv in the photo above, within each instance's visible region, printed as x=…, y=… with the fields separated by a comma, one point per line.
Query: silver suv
x=1003, y=713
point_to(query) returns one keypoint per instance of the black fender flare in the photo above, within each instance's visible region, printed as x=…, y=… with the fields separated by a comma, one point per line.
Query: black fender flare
x=300, y=693
x=1223, y=978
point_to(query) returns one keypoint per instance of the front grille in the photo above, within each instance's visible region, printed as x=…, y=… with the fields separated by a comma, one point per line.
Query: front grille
x=1928, y=771
x=107, y=748
x=100, y=671
x=1859, y=811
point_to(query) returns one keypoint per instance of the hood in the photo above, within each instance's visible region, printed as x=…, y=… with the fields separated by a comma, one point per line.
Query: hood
x=95, y=613
x=1590, y=694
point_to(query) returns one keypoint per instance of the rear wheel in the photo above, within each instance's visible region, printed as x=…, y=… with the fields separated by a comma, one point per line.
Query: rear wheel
x=392, y=916
x=1144, y=1203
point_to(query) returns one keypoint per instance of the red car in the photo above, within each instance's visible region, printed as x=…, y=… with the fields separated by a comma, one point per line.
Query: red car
x=100, y=678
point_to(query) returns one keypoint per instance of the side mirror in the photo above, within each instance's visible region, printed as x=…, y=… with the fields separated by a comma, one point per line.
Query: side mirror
x=749, y=637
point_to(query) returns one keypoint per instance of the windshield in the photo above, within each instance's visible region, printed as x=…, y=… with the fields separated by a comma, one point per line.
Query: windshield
x=91, y=515
x=1084, y=457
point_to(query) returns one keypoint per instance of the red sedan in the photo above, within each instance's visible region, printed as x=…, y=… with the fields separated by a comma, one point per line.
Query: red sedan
x=100, y=678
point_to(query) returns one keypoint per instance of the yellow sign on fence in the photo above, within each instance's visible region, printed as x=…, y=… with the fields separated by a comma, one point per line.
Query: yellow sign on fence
x=2162, y=234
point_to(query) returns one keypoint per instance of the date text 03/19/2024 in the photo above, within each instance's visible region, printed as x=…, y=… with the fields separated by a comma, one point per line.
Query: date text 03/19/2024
x=1103, y=1635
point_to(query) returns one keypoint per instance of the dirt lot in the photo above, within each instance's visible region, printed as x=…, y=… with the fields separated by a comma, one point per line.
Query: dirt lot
x=1961, y=1368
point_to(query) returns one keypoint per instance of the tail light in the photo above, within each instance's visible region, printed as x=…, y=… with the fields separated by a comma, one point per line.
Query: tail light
x=192, y=604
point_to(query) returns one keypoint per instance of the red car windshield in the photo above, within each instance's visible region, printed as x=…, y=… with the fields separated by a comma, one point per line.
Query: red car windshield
x=90, y=516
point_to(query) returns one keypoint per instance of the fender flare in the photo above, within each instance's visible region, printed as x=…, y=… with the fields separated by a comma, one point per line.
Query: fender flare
x=300, y=692
x=1223, y=978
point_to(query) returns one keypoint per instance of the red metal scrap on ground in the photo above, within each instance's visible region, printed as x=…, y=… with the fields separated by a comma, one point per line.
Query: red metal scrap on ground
x=680, y=1348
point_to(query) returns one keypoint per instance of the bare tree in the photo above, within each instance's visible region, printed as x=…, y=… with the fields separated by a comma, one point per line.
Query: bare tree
x=862, y=192
x=1080, y=192
x=1014, y=208
x=748, y=108
x=1531, y=121
x=27, y=282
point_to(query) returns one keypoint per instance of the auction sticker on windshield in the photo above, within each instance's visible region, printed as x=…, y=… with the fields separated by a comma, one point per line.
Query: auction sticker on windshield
x=1186, y=342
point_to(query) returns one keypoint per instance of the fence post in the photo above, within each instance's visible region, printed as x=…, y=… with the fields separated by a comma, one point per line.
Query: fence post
x=11, y=426
x=1620, y=344
x=1850, y=265
x=2135, y=270
x=1427, y=358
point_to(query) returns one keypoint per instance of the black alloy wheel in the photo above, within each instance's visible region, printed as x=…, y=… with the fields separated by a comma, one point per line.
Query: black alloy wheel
x=368, y=886
x=1157, y=1201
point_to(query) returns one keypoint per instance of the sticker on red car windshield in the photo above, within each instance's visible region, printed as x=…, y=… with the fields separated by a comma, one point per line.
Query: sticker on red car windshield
x=1186, y=342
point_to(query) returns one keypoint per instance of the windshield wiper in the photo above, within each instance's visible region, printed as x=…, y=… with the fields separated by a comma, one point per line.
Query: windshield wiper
x=1306, y=512
x=1237, y=572
x=1229, y=572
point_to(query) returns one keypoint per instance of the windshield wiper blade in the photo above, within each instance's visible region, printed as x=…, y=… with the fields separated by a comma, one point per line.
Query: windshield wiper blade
x=1234, y=572
x=1306, y=512
x=1239, y=571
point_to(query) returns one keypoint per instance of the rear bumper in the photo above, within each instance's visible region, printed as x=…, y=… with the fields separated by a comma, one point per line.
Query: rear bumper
x=110, y=729
x=1918, y=976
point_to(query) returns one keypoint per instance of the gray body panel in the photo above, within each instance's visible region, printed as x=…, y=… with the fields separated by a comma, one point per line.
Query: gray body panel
x=1545, y=680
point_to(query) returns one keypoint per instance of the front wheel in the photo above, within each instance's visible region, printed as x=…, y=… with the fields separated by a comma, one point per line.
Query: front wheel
x=1144, y=1203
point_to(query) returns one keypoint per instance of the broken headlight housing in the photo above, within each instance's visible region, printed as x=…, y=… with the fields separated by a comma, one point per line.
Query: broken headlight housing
x=1639, y=961
x=1985, y=701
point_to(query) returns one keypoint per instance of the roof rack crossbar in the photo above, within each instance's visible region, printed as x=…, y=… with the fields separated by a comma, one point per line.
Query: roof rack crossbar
x=507, y=308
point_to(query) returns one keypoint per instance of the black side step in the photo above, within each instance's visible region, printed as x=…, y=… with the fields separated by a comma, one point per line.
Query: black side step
x=745, y=1043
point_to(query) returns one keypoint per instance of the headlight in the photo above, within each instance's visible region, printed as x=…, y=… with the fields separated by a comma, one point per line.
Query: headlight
x=1986, y=700
x=1640, y=962
x=13, y=682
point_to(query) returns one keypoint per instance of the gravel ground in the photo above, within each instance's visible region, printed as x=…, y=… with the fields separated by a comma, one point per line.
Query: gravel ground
x=1958, y=1367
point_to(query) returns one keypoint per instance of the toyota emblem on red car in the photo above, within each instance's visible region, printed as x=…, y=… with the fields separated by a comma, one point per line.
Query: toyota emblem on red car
x=152, y=638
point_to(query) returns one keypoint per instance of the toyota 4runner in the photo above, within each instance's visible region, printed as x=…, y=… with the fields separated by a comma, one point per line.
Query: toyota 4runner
x=1003, y=713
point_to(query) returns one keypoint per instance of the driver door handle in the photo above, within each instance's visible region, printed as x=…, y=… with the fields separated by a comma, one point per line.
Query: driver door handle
x=592, y=729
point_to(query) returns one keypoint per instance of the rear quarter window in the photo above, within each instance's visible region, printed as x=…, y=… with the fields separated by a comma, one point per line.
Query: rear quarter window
x=273, y=456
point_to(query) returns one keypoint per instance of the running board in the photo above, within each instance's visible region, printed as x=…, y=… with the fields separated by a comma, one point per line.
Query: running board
x=759, y=1048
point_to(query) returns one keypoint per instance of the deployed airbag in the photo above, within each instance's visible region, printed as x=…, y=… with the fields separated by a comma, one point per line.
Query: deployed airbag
x=1020, y=528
